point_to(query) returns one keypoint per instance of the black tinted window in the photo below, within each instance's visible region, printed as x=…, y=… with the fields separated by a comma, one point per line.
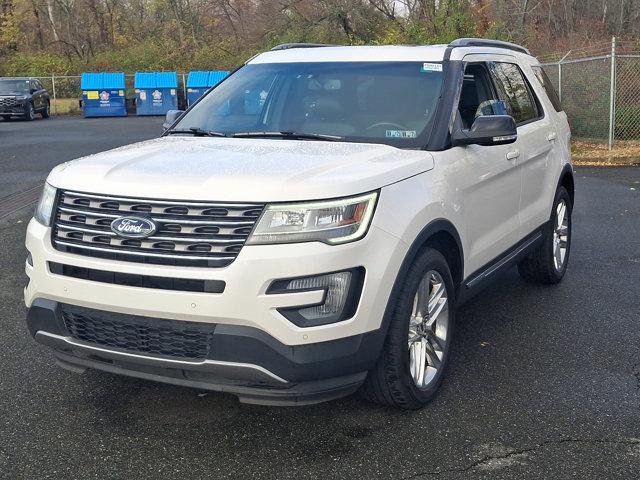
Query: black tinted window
x=9, y=86
x=513, y=90
x=548, y=87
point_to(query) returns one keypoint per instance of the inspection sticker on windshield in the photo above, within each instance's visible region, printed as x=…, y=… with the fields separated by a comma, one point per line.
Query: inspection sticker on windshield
x=400, y=134
x=431, y=67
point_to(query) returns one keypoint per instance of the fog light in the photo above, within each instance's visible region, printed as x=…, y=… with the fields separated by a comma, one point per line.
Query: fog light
x=341, y=297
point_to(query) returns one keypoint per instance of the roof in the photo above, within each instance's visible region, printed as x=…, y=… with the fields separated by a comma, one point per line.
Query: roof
x=156, y=80
x=385, y=53
x=206, y=79
x=391, y=53
x=97, y=81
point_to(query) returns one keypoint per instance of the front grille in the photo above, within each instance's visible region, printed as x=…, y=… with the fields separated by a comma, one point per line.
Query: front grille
x=8, y=102
x=188, y=233
x=137, y=334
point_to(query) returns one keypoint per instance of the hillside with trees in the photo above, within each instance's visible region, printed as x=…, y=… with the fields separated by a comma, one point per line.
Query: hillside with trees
x=40, y=37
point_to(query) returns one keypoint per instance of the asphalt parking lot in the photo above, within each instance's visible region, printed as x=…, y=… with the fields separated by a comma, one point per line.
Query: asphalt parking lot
x=544, y=381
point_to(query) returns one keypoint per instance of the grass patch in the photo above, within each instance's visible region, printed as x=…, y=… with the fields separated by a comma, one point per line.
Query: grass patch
x=597, y=154
x=65, y=106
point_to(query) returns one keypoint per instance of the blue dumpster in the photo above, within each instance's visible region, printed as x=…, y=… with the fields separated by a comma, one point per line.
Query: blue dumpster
x=103, y=94
x=199, y=82
x=156, y=92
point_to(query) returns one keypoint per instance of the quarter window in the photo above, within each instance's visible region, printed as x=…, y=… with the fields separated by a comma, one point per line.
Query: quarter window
x=514, y=91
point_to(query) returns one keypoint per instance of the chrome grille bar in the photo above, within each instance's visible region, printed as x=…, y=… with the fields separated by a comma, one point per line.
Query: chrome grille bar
x=188, y=233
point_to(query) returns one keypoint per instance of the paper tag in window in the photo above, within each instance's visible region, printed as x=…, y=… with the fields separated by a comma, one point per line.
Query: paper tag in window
x=431, y=67
x=400, y=134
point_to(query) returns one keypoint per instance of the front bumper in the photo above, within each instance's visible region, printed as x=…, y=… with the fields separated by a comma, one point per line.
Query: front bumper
x=17, y=110
x=256, y=353
x=241, y=361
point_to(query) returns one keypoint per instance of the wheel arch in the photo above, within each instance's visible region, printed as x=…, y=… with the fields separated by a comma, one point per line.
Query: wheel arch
x=441, y=235
x=567, y=181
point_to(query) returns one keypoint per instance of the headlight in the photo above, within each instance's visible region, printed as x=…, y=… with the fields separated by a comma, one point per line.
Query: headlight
x=45, y=205
x=331, y=221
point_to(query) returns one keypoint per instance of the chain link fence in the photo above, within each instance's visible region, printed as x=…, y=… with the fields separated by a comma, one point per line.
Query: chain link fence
x=600, y=92
x=601, y=95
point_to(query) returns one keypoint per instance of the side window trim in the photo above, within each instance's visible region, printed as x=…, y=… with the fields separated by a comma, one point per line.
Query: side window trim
x=534, y=99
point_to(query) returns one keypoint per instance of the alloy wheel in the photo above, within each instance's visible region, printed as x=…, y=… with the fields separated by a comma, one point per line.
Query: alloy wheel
x=560, y=235
x=428, y=329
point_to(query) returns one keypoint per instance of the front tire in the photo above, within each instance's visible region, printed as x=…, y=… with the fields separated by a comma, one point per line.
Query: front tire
x=30, y=113
x=412, y=364
x=46, y=112
x=547, y=264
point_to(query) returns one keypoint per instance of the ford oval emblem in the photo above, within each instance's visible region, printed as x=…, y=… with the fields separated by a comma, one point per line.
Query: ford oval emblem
x=133, y=227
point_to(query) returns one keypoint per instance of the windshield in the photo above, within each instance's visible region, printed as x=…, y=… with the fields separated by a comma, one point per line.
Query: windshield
x=375, y=102
x=14, y=86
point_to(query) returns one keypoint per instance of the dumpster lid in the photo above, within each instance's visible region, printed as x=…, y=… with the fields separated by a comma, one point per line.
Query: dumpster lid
x=205, y=79
x=97, y=81
x=216, y=77
x=156, y=80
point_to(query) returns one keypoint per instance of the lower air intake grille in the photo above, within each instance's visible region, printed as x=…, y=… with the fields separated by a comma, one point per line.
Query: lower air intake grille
x=136, y=334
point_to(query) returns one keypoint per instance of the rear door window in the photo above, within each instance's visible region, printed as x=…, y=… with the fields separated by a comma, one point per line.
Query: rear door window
x=514, y=90
x=544, y=79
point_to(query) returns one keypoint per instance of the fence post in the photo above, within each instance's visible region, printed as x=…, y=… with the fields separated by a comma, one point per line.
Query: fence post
x=560, y=81
x=53, y=90
x=612, y=95
x=184, y=89
x=560, y=74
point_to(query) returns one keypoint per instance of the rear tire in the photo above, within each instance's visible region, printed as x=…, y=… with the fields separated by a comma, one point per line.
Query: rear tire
x=547, y=264
x=46, y=112
x=6, y=118
x=413, y=361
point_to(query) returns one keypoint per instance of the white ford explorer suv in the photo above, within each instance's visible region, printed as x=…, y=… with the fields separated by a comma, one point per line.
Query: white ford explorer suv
x=309, y=227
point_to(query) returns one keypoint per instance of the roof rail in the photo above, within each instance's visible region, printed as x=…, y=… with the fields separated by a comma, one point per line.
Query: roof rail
x=287, y=46
x=483, y=42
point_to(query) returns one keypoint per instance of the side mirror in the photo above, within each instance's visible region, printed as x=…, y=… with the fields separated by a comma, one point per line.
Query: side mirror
x=487, y=130
x=170, y=119
x=33, y=90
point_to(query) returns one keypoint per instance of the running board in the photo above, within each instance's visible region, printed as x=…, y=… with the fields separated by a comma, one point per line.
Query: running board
x=478, y=280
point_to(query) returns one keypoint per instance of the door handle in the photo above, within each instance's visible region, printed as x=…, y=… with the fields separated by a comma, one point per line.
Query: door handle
x=552, y=136
x=513, y=154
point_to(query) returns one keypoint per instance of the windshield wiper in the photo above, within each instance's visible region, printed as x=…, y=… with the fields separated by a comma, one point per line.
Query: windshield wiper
x=198, y=132
x=289, y=135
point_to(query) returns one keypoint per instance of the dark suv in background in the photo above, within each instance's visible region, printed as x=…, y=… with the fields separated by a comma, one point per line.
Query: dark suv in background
x=23, y=97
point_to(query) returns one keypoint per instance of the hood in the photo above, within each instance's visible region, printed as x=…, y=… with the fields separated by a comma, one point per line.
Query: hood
x=235, y=169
